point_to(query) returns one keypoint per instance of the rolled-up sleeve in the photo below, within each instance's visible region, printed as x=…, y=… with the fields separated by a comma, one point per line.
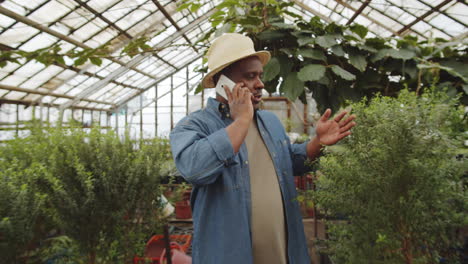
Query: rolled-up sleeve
x=299, y=158
x=200, y=157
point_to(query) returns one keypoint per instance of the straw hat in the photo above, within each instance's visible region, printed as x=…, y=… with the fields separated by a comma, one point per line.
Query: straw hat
x=225, y=50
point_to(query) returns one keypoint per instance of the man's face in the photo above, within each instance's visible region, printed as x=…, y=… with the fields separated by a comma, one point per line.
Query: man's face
x=249, y=71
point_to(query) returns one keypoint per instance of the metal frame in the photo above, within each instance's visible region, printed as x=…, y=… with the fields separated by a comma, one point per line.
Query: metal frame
x=118, y=97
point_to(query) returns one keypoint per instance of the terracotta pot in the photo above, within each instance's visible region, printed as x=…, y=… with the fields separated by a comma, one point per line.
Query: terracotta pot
x=183, y=210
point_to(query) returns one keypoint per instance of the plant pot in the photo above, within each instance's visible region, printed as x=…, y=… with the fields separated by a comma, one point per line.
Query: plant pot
x=183, y=210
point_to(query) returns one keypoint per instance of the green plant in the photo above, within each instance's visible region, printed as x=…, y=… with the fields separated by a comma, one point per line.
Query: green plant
x=335, y=62
x=100, y=191
x=20, y=209
x=398, y=182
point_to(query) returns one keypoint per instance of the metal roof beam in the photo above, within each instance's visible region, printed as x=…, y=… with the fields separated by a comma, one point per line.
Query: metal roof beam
x=126, y=100
x=138, y=58
x=359, y=11
x=75, y=69
x=61, y=36
x=30, y=103
x=313, y=11
x=451, y=17
x=434, y=9
x=31, y=91
x=103, y=18
x=370, y=18
x=168, y=16
x=166, y=93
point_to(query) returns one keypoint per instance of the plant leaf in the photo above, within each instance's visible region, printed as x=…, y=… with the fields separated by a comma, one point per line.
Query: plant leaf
x=358, y=61
x=286, y=65
x=360, y=30
x=311, y=72
x=305, y=40
x=292, y=86
x=283, y=25
x=451, y=71
x=271, y=70
x=270, y=35
x=402, y=54
x=199, y=89
x=326, y=41
x=338, y=50
x=96, y=61
x=343, y=73
x=312, y=53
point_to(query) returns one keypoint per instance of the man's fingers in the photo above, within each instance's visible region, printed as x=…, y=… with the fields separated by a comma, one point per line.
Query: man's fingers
x=326, y=115
x=349, y=119
x=343, y=135
x=340, y=116
x=347, y=127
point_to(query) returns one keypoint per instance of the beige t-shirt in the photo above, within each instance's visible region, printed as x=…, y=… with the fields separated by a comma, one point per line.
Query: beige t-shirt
x=268, y=222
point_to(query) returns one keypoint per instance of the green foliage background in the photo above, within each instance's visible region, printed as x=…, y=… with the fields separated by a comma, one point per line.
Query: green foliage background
x=99, y=191
x=336, y=62
x=399, y=181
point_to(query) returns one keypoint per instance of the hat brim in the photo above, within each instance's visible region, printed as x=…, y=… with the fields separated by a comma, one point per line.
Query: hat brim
x=208, y=82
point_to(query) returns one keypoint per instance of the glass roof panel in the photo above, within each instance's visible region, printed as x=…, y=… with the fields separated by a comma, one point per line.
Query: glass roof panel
x=88, y=29
x=103, y=93
x=458, y=11
x=103, y=5
x=32, y=97
x=13, y=95
x=61, y=100
x=29, y=69
x=17, y=34
x=21, y=7
x=75, y=19
x=142, y=18
x=42, y=40
x=5, y=21
x=38, y=79
x=44, y=15
x=447, y=24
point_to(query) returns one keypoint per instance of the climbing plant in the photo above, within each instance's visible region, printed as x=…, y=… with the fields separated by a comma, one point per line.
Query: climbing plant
x=335, y=62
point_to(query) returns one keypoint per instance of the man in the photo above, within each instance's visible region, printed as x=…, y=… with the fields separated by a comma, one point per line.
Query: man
x=242, y=165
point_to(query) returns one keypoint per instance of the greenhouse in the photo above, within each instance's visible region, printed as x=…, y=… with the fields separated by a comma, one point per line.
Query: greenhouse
x=116, y=146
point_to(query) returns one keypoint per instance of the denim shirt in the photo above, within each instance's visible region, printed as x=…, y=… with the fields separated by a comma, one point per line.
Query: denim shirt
x=221, y=205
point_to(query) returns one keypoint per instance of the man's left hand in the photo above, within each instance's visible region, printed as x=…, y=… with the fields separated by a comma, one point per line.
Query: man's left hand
x=331, y=131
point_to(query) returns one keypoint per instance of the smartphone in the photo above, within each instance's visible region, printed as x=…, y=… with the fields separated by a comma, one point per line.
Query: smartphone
x=223, y=81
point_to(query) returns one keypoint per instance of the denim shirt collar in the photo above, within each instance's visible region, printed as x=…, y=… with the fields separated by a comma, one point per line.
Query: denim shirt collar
x=221, y=108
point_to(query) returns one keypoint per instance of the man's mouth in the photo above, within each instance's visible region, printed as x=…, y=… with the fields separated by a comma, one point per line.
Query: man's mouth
x=257, y=98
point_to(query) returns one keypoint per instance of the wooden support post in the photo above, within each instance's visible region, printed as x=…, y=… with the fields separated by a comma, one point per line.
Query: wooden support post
x=17, y=119
x=167, y=240
x=141, y=116
x=187, y=93
x=172, y=102
x=156, y=110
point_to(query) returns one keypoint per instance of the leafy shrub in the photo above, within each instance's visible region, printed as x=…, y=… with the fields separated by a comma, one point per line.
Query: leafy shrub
x=398, y=181
x=100, y=191
x=20, y=210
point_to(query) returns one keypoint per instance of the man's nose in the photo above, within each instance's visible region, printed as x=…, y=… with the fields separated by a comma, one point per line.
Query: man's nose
x=259, y=84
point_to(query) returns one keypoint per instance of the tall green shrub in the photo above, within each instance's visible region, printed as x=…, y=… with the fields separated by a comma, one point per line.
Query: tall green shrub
x=397, y=181
x=20, y=210
x=99, y=190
